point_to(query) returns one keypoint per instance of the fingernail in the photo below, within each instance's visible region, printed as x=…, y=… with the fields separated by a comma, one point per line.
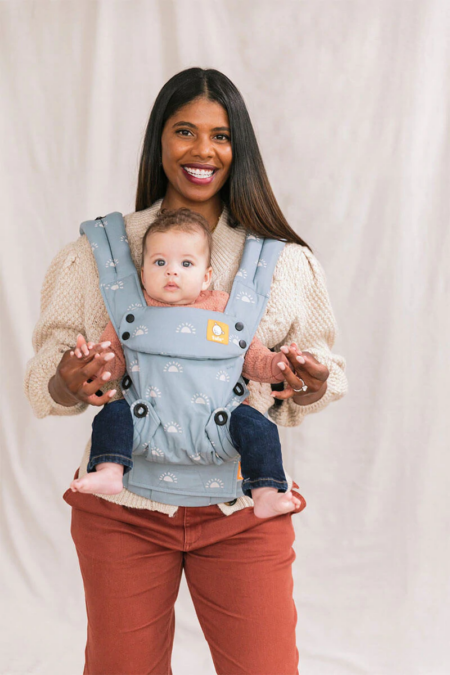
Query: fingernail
x=71, y=353
x=284, y=349
x=106, y=376
x=300, y=359
x=108, y=357
x=111, y=393
x=281, y=366
x=105, y=344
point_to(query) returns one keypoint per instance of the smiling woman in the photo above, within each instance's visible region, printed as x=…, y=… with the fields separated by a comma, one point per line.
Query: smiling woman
x=197, y=156
x=199, y=152
x=200, y=123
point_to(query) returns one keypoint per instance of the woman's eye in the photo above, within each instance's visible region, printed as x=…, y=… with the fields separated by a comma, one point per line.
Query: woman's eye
x=160, y=262
x=187, y=263
x=222, y=137
x=183, y=132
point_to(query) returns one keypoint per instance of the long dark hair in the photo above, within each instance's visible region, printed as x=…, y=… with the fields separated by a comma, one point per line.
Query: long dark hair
x=247, y=192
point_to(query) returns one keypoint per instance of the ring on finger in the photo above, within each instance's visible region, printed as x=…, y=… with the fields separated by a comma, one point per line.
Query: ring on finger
x=302, y=388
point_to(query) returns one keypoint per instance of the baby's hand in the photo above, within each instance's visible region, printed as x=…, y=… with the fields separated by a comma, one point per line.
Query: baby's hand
x=84, y=348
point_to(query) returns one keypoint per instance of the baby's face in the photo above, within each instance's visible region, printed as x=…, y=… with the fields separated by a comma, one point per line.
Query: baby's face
x=176, y=266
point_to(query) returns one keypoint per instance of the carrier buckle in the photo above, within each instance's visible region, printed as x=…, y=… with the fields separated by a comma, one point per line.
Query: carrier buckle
x=238, y=389
x=221, y=418
x=140, y=410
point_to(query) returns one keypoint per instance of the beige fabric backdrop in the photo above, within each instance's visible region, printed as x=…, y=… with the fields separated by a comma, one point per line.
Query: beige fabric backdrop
x=350, y=101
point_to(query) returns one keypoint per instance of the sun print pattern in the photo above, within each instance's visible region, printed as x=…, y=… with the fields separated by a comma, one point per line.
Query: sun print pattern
x=152, y=392
x=214, y=483
x=140, y=330
x=169, y=477
x=134, y=305
x=134, y=367
x=223, y=376
x=173, y=367
x=115, y=286
x=186, y=328
x=112, y=262
x=156, y=452
x=244, y=296
x=201, y=399
x=173, y=428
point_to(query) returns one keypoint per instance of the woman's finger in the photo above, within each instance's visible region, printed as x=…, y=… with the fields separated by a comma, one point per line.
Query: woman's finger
x=306, y=366
x=291, y=378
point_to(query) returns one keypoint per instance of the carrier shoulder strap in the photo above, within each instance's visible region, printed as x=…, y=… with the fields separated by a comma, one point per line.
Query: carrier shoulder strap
x=251, y=286
x=119, y=280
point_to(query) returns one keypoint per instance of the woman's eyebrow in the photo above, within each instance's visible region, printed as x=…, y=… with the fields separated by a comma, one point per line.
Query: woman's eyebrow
x=192, y=126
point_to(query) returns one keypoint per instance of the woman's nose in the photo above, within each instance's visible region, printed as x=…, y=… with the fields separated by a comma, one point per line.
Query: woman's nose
x=203, y=147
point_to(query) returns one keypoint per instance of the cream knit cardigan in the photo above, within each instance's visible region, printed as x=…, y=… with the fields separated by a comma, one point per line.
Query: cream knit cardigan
x=298, y=310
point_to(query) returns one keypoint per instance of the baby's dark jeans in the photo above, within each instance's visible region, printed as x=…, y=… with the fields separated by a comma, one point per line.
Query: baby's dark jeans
x=254, y=436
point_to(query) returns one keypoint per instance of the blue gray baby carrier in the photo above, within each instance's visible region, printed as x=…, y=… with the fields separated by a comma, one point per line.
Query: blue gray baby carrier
x=184, y=369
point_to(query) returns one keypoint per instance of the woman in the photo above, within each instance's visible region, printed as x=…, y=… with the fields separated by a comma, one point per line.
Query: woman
x=199, y=152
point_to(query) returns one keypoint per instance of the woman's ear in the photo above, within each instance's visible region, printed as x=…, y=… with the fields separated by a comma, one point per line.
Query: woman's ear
x=207, y=279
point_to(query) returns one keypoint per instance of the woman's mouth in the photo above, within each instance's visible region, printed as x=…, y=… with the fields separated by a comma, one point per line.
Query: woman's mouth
x=200, y=176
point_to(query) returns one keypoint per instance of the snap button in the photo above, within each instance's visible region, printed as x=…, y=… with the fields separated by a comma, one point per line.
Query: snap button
x=130, y=318
x=239, y=326
x=140, y=410
x=232, y=503
x=221, y=418
x=126, y=382
x=238, y=389
x=125, y=336
x=242, y=343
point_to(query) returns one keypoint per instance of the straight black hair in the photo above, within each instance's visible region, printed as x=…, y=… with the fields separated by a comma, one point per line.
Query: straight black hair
x=247, y=192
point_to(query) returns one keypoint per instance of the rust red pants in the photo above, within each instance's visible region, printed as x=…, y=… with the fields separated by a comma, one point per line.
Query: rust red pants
x=238, y=569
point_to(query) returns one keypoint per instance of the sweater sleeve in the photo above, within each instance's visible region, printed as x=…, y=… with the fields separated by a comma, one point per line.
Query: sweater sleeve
x=56, y=331
x=313, y=328
x=261, y=365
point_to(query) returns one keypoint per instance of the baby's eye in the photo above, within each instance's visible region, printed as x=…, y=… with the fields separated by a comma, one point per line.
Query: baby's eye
x=160, y=262
x=187, y=263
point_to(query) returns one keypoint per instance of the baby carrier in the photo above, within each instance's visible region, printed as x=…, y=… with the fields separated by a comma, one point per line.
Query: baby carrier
x=184, y=369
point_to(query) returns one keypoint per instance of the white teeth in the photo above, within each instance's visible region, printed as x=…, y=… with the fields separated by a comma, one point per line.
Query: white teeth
x=199, y=173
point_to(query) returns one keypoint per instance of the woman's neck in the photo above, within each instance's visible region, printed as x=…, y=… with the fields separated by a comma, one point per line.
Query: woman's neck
x=211, y=209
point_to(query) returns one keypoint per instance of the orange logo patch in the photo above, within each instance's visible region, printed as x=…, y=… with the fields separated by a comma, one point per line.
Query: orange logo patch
x=217, y=332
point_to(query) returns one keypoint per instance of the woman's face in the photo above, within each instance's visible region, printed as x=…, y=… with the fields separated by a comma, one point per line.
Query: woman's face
x=196, y=150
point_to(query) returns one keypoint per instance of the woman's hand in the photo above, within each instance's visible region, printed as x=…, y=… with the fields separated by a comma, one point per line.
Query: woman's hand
x=80, y=374
x=306, y=371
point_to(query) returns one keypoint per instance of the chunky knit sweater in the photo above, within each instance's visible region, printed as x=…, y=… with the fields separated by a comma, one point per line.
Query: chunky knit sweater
x=298, y=310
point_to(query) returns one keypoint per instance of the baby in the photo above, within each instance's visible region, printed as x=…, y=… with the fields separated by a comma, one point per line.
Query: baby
x=176, y=271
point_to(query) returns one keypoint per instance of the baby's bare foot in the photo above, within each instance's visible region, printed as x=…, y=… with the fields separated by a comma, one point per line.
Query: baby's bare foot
x=268, y=502
x=106, y=480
